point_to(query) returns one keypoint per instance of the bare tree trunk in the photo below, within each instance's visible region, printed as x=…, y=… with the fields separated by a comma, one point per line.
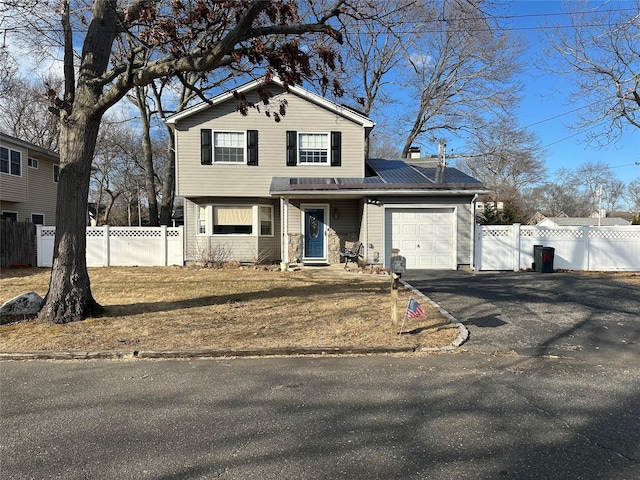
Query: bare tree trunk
x=69, y=297
x=149, y=178
x=168, y=184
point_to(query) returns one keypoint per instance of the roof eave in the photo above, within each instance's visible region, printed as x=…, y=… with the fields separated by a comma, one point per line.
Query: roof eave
x=299, y=91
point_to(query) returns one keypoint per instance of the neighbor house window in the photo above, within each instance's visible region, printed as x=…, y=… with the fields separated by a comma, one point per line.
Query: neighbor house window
x=56, y=173
x=10, y=215
x=37, y=218
x=229, y=220
x=32, y=162
x=228, y=147
x=313, y=148
x=10, y=161
x=266, y=220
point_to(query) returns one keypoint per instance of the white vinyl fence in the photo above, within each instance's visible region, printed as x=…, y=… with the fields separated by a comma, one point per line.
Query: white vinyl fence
x=121, y=246
x=510, y=247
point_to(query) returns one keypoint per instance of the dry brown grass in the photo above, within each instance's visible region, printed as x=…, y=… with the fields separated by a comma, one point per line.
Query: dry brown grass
x=194, y=308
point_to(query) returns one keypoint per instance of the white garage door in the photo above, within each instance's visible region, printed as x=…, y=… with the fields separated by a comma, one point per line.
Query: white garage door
x=425, y=236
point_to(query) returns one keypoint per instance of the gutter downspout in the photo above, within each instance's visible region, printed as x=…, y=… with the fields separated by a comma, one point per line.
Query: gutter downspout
x=284, y=223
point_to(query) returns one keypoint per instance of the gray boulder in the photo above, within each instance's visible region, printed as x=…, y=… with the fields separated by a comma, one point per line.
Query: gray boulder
x=21, y=307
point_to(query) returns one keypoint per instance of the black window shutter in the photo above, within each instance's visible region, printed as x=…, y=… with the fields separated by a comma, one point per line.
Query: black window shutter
x=252, y=147
x=205, y=146
x=336, y=149
x=292, y=148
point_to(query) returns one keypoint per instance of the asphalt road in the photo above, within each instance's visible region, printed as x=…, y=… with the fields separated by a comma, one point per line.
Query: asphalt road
x=505, y=407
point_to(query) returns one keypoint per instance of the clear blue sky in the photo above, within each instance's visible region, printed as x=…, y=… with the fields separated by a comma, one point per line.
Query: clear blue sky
x=546, y=107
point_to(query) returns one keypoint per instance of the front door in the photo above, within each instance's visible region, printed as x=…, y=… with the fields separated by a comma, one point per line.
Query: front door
x=314, y=233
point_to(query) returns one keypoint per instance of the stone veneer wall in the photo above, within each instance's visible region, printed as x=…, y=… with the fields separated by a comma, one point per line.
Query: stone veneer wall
x=337, y=242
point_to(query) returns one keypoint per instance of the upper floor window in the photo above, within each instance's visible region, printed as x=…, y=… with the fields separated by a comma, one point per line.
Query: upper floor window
x=56, y=173
x=313, y=147
x=228, y=147
x=10, y=161
x=33, y=163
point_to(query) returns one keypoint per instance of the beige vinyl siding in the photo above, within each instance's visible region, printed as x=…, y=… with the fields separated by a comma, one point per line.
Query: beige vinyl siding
x=13, y=188
x=373, y=230
x=242, y=248
x=43, y=190
x=376, y=220
x=194, y=179
x=34, y=191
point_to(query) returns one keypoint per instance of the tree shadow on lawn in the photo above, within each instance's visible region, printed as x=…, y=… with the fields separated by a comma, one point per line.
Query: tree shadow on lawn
x=276, y=294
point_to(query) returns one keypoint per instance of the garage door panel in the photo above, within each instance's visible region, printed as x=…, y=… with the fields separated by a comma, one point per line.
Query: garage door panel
x=424, y=236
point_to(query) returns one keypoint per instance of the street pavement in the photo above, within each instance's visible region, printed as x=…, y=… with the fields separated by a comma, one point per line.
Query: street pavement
x=514, y=402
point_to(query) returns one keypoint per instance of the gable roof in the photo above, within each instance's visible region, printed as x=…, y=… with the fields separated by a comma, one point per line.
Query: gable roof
x=385, y=177
x=30, y=146
x=299, y=91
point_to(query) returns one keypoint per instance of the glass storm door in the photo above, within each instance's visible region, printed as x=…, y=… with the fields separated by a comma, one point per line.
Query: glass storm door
x=314, y=233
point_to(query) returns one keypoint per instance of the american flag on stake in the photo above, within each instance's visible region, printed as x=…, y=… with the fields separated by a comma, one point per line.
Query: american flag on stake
x=414, y=310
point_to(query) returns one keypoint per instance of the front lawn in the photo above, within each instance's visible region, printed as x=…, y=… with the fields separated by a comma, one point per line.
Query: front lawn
x=167, y=308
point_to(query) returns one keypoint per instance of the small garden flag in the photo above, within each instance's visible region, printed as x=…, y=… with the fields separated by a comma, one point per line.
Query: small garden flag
x=414, y=310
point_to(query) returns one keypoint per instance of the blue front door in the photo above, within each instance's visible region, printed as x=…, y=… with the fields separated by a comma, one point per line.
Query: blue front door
x=314, y=233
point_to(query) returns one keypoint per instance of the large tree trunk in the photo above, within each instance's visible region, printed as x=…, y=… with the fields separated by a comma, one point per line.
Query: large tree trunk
x=147, y=153
x=168, y=184
x=69, y=297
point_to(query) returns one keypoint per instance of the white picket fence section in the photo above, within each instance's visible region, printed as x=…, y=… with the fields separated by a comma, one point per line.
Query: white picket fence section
x=510, y=247
x=121, y=246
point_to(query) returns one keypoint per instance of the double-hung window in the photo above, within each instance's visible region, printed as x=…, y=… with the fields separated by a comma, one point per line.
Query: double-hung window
x=313, y=148
x=266, y=220
x=56, y=173
x=10, y=161
x=229, y=147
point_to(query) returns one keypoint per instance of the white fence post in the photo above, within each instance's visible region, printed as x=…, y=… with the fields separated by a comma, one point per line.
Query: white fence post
x=516, y=246
x=585, y=245
x=164, y=246
x=106, y=246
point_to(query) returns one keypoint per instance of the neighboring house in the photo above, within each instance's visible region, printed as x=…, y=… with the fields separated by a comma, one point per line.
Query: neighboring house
x=582, y=222
x=28, y=181
x=300, y=189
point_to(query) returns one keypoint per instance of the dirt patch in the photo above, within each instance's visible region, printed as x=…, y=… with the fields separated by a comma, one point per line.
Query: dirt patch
x=632, y=278
x=167, y=308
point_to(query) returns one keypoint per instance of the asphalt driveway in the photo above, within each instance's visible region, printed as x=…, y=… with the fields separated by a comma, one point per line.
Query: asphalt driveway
x=559, y=314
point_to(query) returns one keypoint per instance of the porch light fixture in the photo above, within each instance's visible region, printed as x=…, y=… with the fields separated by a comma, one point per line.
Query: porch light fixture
x=335, y=213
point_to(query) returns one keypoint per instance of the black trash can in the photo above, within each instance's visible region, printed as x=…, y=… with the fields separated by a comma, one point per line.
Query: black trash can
x=537, y=262
x=546, y=259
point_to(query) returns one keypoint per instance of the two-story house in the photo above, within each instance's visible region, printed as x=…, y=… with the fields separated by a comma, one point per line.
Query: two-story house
x=28, y=181
x=300, y=188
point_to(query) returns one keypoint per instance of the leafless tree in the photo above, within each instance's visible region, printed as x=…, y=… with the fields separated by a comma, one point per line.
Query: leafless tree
x=461, y=72
x=24, y=105
x=507, y=159
x=601, y=51
x=162, y=39
x=632, y=194
x=596, y=179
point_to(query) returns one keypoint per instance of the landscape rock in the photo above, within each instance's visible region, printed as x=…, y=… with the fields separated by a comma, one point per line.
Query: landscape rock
x=21, y=307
